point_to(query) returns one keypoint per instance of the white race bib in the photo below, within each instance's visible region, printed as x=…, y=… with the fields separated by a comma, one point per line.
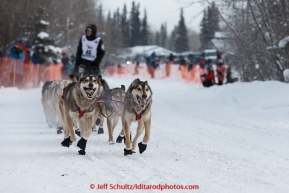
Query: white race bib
x=89, y=48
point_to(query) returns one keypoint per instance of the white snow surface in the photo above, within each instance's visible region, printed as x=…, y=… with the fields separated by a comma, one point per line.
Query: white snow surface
x=230, y=138
x=43, y=35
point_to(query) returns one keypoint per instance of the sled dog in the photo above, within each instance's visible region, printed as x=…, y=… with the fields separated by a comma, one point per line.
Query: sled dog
x=137, y=108
x=77, y=105
x=112, y=109
x=53, y=98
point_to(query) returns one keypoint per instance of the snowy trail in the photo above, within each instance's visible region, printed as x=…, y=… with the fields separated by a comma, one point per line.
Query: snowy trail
x=232, y=138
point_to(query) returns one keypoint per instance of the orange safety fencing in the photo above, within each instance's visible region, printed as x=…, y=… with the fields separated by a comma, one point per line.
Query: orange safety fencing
x=164, y=71
x=14, y=73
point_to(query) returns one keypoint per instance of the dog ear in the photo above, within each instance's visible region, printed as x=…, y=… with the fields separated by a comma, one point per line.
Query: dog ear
x=81, y=76
x=146, y=82
x=123, y=87
x=99, y=76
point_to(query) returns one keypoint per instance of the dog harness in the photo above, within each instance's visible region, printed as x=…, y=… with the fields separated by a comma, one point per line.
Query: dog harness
x=137, y=116
x=81, y=112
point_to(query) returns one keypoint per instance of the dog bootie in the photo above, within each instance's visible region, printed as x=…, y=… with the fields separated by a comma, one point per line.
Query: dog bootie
x=81, y=152
x=100, y=130
x=77, y=132
x=97, y=122
x=127, y=152
x=59, y=130
x=66, y=142
x=82, y=144
x=142, y=147
x=119, y=138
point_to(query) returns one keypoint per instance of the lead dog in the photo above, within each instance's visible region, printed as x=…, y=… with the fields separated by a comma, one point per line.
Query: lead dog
x=78, y=105
x=137, y=108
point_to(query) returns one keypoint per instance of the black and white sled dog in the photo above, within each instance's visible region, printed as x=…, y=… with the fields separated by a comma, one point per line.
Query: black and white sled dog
x=137, y=108
x=78, y=105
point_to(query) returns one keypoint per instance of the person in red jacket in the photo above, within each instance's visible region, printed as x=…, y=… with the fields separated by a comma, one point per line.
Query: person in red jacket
x=209, y=77
x=220, y=73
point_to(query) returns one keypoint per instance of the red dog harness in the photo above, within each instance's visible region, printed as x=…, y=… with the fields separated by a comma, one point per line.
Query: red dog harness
x=137, y=116
x=81, y=112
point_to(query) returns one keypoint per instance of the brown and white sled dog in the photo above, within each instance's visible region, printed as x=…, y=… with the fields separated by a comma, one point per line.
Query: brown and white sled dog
x=137, y=107
x=78, y=105
x=112, y=109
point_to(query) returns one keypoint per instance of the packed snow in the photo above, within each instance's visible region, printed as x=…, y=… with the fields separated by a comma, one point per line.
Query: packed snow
x=230, y=138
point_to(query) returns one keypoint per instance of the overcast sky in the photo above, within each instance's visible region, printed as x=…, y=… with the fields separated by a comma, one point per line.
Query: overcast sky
x=160, y=11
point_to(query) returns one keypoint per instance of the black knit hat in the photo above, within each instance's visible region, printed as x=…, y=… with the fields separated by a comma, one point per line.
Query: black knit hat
x=94, y=31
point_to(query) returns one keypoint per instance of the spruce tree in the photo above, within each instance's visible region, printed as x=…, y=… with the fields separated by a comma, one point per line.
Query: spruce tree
x=157, y=39
x=125, y=28
x=172, y=39
x=144, y=30
x=182, y=42
x=134, y=25
x=209, y=25
x=163, y=35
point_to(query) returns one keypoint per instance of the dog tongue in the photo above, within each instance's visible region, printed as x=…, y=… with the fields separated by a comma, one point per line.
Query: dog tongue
x=142, y=101
x=89, y=91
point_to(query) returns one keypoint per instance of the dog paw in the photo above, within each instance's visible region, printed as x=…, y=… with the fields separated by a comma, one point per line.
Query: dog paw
x=127, y=152
x=58, y=131
x=142, y=147
x=94, y=129
x=82, y=144
x=81, y=152
x=119, y=138
x=66, y=142
x=77, y=132
x=100, y=130
x=111, y=142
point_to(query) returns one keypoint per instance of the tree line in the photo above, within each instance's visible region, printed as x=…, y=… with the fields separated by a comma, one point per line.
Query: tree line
x=65, y=22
